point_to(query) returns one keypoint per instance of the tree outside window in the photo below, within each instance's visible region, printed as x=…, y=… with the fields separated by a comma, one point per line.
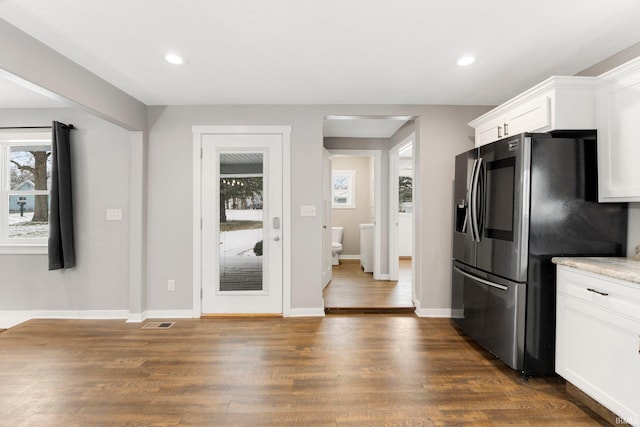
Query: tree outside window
x=405, y=193
x=25, y=175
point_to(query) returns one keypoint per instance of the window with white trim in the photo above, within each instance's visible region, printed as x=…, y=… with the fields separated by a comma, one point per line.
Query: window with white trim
x=25, y=183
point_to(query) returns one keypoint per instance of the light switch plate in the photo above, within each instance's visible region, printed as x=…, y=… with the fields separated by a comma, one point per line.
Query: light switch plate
x=114, y=214
x=309, y=210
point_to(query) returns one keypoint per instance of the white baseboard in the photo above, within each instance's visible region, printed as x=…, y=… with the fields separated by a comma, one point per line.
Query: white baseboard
x=306, y=312
x=135, y=317
x=168, y=314
x=15, y=317
x=9, y=319
x=349, y=257
x=7, y=322
x=12, y=318
x=381, y=277
x=433, y=312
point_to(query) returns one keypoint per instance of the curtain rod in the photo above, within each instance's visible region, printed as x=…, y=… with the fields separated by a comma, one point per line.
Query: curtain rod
x=69, y=126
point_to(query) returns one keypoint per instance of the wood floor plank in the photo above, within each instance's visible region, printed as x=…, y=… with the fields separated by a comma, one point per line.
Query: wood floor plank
x=350, y=288
x=376, y=370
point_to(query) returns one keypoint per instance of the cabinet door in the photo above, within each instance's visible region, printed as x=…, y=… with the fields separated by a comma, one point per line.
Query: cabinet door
x=618, y=140
x=597, y=351
x=532, y=116
x=489, y=132
x=598, y=339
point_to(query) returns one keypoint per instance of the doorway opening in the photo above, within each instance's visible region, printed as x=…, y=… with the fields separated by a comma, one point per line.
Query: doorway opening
x=356, y=217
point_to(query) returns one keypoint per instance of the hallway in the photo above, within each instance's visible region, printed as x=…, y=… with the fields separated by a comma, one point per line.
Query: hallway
x=351, y=288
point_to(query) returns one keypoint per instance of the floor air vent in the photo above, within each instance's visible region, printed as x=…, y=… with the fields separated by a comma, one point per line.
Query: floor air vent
x=158, y=325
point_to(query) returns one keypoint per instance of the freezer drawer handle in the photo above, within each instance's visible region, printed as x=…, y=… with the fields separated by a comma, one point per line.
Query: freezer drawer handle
x=477, y=279
x=595, y=291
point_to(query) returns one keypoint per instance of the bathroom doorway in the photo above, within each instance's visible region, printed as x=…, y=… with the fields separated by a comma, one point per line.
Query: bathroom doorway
x=356, y=220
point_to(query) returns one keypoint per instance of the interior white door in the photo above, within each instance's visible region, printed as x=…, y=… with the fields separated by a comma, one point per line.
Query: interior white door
x=241, y=237
x=327, y=235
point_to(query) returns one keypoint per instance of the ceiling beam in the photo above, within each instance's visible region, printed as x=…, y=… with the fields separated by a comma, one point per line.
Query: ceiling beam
x=30, y=63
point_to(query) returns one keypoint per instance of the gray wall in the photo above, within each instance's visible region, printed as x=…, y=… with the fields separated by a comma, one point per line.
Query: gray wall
x=442, y=133
x=351, y=219
x=100, y=156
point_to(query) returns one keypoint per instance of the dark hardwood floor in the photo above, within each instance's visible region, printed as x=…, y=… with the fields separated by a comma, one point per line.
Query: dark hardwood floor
x=351, y=288
x=375, y=370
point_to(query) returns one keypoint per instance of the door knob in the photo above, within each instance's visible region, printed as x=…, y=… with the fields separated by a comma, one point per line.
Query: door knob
x=277, y=238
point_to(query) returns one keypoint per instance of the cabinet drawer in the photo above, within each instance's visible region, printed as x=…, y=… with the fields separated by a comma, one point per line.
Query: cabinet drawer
x=608, y=293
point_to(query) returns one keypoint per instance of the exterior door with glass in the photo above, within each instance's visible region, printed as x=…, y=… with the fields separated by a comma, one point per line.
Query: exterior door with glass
x=241, y=224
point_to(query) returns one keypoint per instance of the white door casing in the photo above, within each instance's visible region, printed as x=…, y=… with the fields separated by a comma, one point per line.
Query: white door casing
x=327, y=236
x=210, y=142
x=394, y=219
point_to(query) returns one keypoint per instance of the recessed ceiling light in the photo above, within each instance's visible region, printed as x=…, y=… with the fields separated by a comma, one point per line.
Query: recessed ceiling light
x=174, y=59
x=466, y=60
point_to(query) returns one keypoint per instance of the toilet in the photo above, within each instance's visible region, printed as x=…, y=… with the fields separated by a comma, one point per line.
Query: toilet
x=336, y=244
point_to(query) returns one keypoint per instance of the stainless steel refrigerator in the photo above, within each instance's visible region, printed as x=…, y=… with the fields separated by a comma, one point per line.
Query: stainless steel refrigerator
x=519, y=202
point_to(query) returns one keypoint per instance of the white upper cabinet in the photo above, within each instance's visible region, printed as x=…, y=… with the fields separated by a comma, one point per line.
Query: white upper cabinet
x=618, y=116
x=566, y=103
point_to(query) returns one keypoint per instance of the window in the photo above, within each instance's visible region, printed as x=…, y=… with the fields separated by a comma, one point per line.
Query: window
x=25, y=182
x=344, y=183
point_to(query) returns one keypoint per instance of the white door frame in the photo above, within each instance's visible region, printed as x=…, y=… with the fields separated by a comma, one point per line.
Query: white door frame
x=327, y=265
x=198, y=132
x=394, y=173
x=377, y=211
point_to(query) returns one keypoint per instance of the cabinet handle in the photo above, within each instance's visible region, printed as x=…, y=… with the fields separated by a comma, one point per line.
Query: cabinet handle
x=604, y=294
x=499, y=131
x=506, y=129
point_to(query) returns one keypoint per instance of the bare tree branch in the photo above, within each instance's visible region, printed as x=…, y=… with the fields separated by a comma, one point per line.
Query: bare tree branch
x=23, y=167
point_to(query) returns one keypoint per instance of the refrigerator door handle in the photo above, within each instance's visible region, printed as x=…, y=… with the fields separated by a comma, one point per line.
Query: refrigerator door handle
x=480, y=196
x=473, y=200
x=483, y=281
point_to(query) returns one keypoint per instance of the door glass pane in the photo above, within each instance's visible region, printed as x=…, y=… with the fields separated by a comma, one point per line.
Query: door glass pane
x=241, y=221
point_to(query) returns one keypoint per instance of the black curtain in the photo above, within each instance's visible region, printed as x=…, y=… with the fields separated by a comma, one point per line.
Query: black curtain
x=61, y=247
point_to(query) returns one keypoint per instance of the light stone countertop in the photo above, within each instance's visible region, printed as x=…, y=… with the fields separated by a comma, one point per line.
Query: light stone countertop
x=619, y=268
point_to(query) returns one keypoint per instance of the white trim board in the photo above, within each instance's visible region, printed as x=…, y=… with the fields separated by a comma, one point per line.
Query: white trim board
x=11, y=318
x=15, y=317
x=285, y=132
x=433, y=312
x=306, y=312
x=394, y=173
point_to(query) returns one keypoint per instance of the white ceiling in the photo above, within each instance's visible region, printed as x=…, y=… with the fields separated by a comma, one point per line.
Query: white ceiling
x=329, y=51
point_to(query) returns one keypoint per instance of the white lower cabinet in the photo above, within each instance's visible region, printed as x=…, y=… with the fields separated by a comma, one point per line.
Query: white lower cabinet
x=598, y=339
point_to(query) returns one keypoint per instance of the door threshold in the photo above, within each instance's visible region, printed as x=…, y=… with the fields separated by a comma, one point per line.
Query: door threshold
x=228, y=315
x=369, y=310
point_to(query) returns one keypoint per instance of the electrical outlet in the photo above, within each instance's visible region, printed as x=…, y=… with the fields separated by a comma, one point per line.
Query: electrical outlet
x=114, y=214
x=171, y=285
